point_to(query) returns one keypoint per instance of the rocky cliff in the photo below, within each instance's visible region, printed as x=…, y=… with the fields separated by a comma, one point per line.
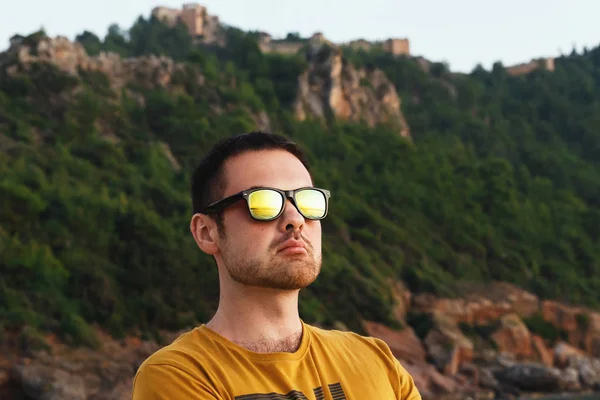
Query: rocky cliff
x=476, y=346
x=496, y=339
x=331, y=87
x=117, y=75
x=55, y=371
x=72, y=58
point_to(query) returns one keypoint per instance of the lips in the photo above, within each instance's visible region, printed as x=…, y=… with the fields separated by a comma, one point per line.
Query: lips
x=292, y=246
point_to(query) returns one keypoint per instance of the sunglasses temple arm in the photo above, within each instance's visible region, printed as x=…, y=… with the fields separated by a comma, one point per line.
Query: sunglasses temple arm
x=223, y=203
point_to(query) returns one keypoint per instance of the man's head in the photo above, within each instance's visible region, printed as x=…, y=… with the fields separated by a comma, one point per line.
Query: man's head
x=249, y=251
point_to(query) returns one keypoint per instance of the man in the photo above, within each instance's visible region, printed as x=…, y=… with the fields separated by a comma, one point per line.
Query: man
x=258, y=214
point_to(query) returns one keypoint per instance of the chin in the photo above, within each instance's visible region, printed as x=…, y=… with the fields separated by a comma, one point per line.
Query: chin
x=291, y=275
x=296, y=284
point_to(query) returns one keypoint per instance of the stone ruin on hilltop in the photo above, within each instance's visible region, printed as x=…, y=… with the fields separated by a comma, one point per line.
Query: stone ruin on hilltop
x=195, y=17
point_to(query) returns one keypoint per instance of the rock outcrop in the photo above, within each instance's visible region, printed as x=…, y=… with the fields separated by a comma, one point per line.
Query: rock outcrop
x=513, y=336
x=112, y=73
x=534, y=377
x=404, y=344
x=482, y=304
x=329, y=88
x=588, y=370
x=333, y=88
x=446, y=363
x=447, y=345
x=66, y=373
x=489, y=337
x=582, y=326
x=543, y=353
x=407, y=347
x=71, y=57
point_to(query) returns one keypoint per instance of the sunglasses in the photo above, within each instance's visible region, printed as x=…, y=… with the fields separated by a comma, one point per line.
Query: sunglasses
x=267, y=204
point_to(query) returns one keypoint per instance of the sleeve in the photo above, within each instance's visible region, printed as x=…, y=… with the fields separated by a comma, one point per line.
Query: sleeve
x=402, y=382
x=166, y=382
x=407, y=390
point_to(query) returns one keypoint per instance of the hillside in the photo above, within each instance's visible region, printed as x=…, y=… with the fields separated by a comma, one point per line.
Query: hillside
x=437, y=179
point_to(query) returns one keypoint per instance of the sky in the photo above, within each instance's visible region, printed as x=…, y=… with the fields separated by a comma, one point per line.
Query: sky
x=462, y=33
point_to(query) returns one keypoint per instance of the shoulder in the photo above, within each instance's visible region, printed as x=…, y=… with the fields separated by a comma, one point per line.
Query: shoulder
x=348, y=340
x=373, y=354
x=175, y=371
x=344, y=337
x=173, y=353
x=186, y=354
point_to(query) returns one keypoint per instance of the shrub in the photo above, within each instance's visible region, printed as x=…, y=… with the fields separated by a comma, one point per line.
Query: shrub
x=539, y=326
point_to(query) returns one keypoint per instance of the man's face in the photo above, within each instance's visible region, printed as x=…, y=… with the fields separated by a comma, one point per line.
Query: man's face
x=250, y=250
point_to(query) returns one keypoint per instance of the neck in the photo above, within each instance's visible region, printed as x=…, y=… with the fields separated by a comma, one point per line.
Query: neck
x=259, y=319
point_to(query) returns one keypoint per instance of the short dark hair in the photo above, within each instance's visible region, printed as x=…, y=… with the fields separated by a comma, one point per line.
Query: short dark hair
x=208, y=180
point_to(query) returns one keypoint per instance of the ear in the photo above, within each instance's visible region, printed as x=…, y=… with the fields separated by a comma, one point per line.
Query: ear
x=204, y=230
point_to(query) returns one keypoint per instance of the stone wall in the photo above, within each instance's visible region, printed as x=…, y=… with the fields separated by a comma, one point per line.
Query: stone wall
x=393, y=46
x=281, y=47
x=525, y=68
x=360, y=44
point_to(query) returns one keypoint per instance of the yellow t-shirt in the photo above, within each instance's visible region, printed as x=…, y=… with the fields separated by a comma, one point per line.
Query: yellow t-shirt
x=332, y=365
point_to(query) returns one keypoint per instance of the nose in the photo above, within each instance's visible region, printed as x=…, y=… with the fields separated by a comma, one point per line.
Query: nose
x=291, y=219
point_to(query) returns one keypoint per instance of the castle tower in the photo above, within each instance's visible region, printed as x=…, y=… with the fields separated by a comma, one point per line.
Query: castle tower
x=193, y=16
x=397, y=46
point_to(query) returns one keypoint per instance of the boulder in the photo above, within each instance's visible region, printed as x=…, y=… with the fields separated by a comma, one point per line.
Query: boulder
x=430, y=381
x=563, y=352
x=447, y=345
x=533, y=377
x=487, y=379
x=45, y=383
x=513, y=337
x=404, y=344
x=588, y=370
x=569, y=380
x=544, y=354
x=505, y=360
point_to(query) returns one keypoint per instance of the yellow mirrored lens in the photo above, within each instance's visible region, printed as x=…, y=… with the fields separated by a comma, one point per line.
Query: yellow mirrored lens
x=265, y=204
x=311, y=203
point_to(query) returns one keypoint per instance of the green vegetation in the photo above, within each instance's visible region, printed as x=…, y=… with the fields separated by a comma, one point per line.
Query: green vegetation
x=501, y=183
x=583, y=321
x=539, y=326
x=483, y=331
x=422, y=323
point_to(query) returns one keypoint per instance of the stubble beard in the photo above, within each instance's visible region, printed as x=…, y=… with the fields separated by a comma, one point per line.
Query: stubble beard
x=276, y=271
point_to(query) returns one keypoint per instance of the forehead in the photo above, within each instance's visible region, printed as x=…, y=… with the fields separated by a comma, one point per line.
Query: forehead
x=274, y=168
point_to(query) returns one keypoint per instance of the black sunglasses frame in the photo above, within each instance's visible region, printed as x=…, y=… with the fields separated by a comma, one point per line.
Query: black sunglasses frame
x=285, y=194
